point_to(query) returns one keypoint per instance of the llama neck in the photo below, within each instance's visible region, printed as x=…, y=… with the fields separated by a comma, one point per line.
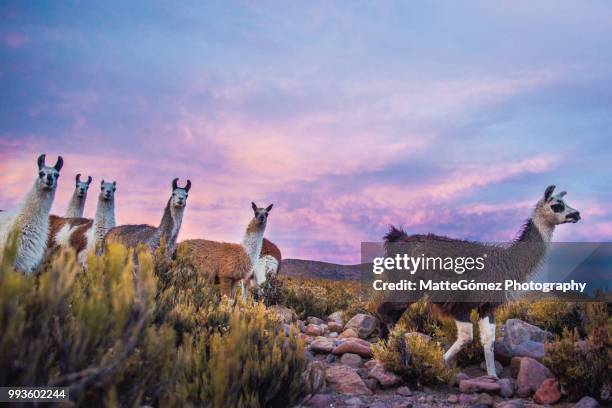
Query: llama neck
x=33, y=218
x=253, y=239
x=76, y=207
x=170, y=225
x=530, y=248
x=105, y=218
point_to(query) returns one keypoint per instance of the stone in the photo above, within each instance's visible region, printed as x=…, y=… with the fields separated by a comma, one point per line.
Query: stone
x=351, y=360
x=530, y=376
x=510, y=404
x=348, y=333
x=363, y=372
x=344, y=380
x=479, y=384
x=330, y=358
x=529, y=348
x=502, y=352
x=386, y=378
x=515, y=364
x=315, y=320
x=423, y=336
x=452, y=399
x=372, y=383
x=506, y=389
x=313, y=378
x=362, y=324
x=548, y=393
x=319, y=401
x=322, y=345
x=364, y=349
x=484, y=400
x=516, y=331
x=586, y=402
x=404, y=391
x=354, y=402
x=498, y=367
x=467, y=399
x=407, y=403
x=459, y=377
x=429, y=399
x=333, y=335
x=378, y=404
x=287, y=315
x=334, y=327
x=313, y=330
x=337, y=317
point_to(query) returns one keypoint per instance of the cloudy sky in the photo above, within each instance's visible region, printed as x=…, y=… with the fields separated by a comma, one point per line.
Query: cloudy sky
x=348, y=116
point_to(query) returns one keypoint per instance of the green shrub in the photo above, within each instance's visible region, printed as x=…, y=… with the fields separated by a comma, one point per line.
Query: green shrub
x=416, y=360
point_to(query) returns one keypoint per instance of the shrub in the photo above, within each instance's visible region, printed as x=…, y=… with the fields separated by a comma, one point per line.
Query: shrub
x=416, y=360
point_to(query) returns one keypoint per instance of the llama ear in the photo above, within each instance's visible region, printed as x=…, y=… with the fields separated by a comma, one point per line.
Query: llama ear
x=253, y=206
x=174, y=185
x=59, y=163
x=41, y=161
x=548, y=192
x=269, y=208
x=89, y=179
x=188, y=185
x=78, y=178
x=102, y=182
x=561, y=194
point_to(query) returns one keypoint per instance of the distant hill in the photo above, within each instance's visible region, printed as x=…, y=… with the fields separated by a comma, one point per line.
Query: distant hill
x=319, y=270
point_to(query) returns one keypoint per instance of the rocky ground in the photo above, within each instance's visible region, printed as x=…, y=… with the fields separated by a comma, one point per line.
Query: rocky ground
x=342, y=372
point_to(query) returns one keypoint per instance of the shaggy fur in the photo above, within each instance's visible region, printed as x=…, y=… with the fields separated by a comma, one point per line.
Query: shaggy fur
x=268, y=263
x=76, y=206
x=31, y=222
x=519, y=260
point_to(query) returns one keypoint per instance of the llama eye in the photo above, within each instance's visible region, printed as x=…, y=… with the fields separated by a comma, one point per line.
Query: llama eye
x=557, y=208
x=41, y=174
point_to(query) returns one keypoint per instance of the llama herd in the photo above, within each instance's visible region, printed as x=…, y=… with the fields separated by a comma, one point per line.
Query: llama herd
x=248, y=262
x=37, y=232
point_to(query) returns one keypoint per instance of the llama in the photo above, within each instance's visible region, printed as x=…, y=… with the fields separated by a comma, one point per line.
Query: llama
x=268, y=263
x=518, y=260
x=83, y=235
x=31, y=222
x=227, y=263
x=76, y=206
x=149, y=236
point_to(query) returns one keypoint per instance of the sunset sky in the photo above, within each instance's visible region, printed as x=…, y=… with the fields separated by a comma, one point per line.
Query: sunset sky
x=348, y=116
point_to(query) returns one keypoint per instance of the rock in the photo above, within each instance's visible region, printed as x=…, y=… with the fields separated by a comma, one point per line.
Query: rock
x=506, y=389
x=351, y=360
x=322, y=345
x=516, y=331
x=586, y=402
x=349, y=333
x=378, y=404
x=502, y=352
x=386, y=378
x=337, y=317
x=315, y=320
x=308, y=356
x=363, y=372
x=344, y=380
x=423, y=336
x=467, y=399
x=319, y=401
x=404, y=391
x=498, y=367
x=334, y=327
x=530, y=376
x=529, y=348
x=460, y=377
x=370, y=364
x=287, y=315
x=484, y=400
x=452, y=399
x=354, y=402
x=510, y=404
x=429, y=399
x=548, y=393
x=515, y=364
x=372, y=383
x=330, y=358
x=479, y=384
x=324, y=328
x=313, y=330
x=408, y=403
x=313, y=378
x=362, y=324
x=333, y=335
x=363, y=348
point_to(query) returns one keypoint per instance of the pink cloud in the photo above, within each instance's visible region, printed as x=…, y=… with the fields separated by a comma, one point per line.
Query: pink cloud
x=15, y=40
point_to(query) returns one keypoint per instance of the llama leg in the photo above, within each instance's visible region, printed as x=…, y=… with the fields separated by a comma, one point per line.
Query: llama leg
x=465, y=335
x=487, y=338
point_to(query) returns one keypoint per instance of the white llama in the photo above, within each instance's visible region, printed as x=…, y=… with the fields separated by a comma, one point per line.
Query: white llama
x=76, y=206
x=30, y=223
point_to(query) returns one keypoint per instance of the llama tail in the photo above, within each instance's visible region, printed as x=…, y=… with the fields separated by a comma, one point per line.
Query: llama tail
x=395, y=234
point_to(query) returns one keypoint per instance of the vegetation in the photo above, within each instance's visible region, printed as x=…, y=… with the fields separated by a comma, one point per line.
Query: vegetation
x=150, y=332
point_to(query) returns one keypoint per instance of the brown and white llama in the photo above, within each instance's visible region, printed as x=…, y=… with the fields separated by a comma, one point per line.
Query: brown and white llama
x=519, y=261
x=76, y=206
x=31, y=222
x=226, y=263
x=84, y=235
x=268, y=263
x=151, y=237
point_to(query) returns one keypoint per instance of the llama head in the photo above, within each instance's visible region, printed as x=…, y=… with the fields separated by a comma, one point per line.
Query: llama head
x=47, y=176
x=107, y=190
x=179, y=194
x=82, y=186
x=553, y=209
x=261, y=214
